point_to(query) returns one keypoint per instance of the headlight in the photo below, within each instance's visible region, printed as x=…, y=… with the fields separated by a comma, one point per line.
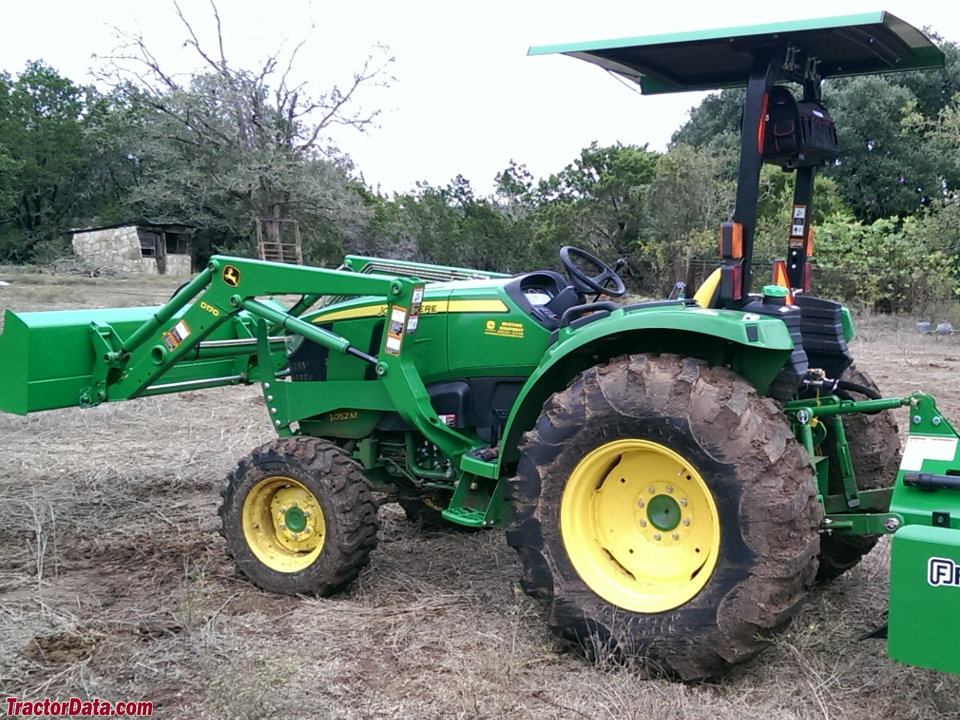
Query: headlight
x=292, y=343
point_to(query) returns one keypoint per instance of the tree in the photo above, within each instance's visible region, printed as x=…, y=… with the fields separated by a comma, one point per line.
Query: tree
x=886, y=266
x=234, y=145
x=595, y=203
x=888, y=166
x=686, y=201
x=454, y=227
x=891, y=162
x=715, y=123
x=603, y=190
x=45, y=160
x=933, y=89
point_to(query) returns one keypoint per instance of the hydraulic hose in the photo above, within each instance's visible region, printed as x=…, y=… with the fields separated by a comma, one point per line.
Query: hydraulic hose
x=844, y=388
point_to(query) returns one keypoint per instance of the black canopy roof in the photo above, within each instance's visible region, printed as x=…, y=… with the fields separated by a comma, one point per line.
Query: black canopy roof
x=709, y=59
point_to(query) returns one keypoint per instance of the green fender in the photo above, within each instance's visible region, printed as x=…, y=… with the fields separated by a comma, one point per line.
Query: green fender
x=753, y=346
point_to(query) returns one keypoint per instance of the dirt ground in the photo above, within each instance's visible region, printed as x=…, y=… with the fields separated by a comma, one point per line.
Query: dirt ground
x=115, y=583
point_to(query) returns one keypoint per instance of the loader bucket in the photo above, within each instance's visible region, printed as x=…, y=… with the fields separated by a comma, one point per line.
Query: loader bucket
x=47, y=358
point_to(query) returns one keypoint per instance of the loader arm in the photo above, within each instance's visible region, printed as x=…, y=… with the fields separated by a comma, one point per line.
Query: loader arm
x=215, y=331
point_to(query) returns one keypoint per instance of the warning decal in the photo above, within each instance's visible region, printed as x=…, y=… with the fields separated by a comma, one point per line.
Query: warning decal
x=799, y=218
x=176, y=335
x=415, y=302
x=395, y=330
x=927, y=447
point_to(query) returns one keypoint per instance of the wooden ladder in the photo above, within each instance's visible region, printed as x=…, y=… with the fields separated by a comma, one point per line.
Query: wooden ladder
x=283, y=249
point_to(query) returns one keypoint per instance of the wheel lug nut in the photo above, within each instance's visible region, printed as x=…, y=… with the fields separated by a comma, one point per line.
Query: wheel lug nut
x=669, y=488
x=686, y=522
x=683, y=502
x=656, y=536
x=675, y=536
x=643, y=523
x=283, y=526
x=651, y=490
x=639, y=503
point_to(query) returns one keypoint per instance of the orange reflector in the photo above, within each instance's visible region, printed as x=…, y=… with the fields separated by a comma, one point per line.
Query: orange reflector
x=731, y=241
x=781, y=278
x=780, y=274
x=808, y=242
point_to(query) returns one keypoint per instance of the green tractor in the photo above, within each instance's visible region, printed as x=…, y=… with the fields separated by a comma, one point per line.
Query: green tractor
x=673, y=475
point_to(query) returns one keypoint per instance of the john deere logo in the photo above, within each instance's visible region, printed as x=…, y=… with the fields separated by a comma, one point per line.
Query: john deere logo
x=231, y=276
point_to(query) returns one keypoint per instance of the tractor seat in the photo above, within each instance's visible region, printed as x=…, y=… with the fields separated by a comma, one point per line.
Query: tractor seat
x=544, y=295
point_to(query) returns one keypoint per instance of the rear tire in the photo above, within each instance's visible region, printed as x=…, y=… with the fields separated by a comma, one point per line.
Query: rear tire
x=665, y=512
x=874, y=443
x=298, y=517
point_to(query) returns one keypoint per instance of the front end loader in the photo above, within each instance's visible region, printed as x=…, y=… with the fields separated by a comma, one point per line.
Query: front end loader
x=672, y=474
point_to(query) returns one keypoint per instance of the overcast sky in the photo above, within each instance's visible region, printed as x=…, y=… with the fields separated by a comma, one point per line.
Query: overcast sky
x=466, y=98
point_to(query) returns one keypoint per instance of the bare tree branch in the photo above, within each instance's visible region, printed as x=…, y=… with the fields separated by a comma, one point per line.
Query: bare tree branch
x=195, y=42
x=228, y=144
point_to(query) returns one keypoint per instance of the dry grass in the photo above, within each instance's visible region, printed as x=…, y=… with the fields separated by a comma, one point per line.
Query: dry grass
x=114, y=583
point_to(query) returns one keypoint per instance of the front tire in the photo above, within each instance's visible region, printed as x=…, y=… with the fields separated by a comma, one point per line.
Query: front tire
x=665, y=512
x=298, y=517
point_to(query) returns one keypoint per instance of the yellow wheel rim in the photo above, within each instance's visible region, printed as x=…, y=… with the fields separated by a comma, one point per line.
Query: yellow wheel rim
x=640, y=526
x=283, y=524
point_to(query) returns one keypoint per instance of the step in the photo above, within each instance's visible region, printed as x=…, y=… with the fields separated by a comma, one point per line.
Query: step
x=468, y=517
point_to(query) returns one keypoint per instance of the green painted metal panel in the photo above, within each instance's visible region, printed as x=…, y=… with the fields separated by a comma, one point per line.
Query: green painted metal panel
x=932, y=447
x=340, y=423
x=48, y=357
x=925, y=597
x=727, y=325
x=721, y=58
x=490, y=335
x=925, y=559
x=465, y=330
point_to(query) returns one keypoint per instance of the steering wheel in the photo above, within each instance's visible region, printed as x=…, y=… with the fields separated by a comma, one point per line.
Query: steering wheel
x=584, y=283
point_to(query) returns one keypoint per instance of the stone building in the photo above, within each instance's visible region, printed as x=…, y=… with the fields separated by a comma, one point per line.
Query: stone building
x=155, y=249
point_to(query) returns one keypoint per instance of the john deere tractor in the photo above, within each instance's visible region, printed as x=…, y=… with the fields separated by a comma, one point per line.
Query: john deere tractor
x=673, y=474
